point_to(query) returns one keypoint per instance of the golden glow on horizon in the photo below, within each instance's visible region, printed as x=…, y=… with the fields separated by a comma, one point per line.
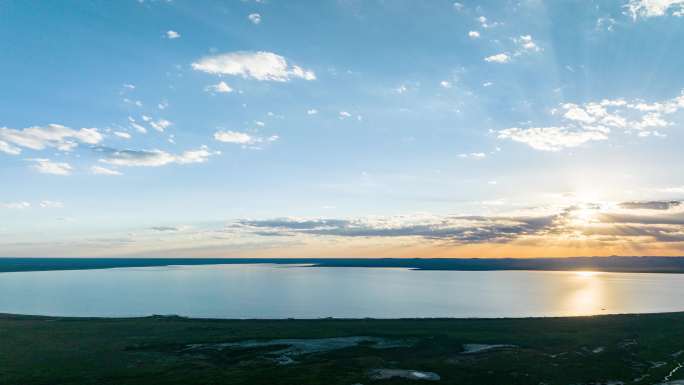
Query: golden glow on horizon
x=586, y=274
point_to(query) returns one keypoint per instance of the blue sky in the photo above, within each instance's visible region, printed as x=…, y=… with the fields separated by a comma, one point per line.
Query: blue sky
x=341, y=128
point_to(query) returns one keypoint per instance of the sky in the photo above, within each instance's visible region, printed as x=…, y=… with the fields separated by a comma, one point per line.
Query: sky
x=341, y=128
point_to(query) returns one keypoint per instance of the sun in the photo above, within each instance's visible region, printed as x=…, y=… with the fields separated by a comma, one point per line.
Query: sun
x=585, y=214
x=586, y=274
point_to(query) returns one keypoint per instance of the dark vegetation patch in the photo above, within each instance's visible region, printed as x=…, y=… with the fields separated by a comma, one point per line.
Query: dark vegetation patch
x=154, y=350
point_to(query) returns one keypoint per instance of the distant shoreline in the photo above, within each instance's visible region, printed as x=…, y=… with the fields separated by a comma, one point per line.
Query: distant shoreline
x=622, y=264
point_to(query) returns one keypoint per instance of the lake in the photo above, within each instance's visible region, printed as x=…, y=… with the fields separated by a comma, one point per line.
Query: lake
x=287, y=291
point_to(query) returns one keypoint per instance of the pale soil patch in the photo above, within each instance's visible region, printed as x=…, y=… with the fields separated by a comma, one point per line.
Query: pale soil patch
x=286, y=349
x=481, y=348
x=386, y=374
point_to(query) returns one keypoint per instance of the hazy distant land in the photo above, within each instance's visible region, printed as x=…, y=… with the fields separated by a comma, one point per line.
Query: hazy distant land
x=606, y=264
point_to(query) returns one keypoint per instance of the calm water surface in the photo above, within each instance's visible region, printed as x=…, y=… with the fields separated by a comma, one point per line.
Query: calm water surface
x=277, y=291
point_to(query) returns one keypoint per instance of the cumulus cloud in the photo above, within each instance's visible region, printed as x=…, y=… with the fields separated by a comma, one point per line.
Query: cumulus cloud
x=46, y=166
x=473, y=34
x=262, y=66
x=550, y=138
x=154, y=158
x=50, y=136
x=653, y=8
x=445, y=84
x=312, y=111
x=170, y=34
x=592, y=121
x=99, y=170
x=254, y=18
x=498, y=58
x=220, y=87
x=233, y=137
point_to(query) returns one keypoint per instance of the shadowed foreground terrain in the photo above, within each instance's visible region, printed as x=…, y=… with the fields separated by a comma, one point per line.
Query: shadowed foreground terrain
x=622, y=349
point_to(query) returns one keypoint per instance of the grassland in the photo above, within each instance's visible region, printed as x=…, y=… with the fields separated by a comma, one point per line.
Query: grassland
x=629, y=349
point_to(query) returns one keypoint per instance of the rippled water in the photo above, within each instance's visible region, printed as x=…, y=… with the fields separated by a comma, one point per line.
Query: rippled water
x=277, y=291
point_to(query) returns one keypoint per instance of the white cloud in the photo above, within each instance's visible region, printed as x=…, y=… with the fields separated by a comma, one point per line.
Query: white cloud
x=170, y=34
x=9, y=149
x=473, y=34
x=254, y=18
x=473, y=155
x=220, y=87
x=401, y=89
x=344, y=115
x=653, y=8
x=51, y=205
x=591, y=121
x=233, y=137
x=46, y=166
x=139, y=128
x=122, y=135
x=312, y=111
x=445, y=84
x=526, y=44
x=53, y=136
x=156, y=158
x=248, y=141
x=262, y=66
x=550, y=138
x=99, y=170
x=487, y=84
x=458, y=6
x=160, y=125
x=498, y=58
x=484, y=23
x=605, y=23
x=15, y=205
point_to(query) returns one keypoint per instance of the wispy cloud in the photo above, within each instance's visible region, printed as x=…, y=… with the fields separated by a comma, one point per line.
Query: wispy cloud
x=220, y=87
x=51, y=204
x=243, y=138
x=99, y=170
x=15, y=205
x=154, y=158
x=46, y=166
